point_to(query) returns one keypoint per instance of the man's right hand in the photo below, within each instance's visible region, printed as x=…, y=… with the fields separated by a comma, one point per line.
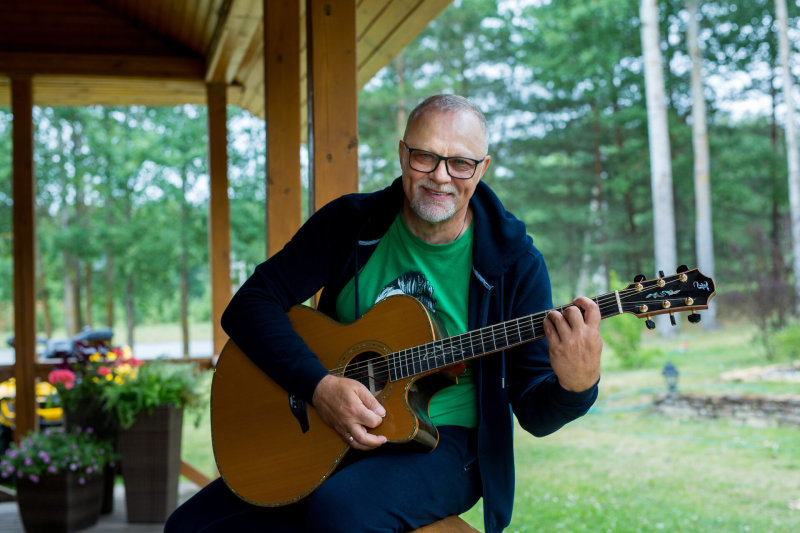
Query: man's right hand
x=350, y=409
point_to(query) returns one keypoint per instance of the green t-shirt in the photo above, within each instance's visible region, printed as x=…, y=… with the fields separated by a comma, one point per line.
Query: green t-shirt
x=438, y=276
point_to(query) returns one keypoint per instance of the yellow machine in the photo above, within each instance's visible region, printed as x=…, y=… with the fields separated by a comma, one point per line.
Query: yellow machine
x=46, y=397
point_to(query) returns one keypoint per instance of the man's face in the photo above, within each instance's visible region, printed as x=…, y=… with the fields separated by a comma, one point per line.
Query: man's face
x=437, y=197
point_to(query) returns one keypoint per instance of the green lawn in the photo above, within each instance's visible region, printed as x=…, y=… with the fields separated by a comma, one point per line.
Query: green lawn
x=622, y=468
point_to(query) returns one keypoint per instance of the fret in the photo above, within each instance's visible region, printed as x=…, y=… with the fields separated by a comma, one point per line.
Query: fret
x=417, y=360
x=401, y=364
x=505, y=334
x=452, y=351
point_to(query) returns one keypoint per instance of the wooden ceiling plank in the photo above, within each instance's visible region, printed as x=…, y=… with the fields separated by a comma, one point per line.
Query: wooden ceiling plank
x=232, y=37
x=390, y=39
x=216, y=47
x=247, y=17
x=368, y=11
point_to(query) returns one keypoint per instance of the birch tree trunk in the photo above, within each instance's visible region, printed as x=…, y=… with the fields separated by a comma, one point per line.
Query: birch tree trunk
x=658, y=135
x=704, y=238
x=791, y=142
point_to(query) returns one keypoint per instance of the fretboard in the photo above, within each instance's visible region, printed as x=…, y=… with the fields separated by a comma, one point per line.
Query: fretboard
x=477, y=343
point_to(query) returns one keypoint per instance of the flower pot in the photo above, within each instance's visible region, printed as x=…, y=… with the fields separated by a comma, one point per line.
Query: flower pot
x=59, y=502
x=89, y=413
x=150, y=453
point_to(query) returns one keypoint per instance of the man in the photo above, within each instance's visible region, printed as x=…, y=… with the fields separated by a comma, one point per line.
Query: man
x=441, y=235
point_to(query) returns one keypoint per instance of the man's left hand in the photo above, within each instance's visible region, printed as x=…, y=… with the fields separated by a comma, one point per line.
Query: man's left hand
x=575, y=344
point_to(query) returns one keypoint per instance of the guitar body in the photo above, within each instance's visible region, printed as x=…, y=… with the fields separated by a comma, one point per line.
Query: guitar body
x=260, y=447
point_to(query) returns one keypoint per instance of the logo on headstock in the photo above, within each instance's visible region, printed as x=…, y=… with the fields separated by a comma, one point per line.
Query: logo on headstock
x=703, y=286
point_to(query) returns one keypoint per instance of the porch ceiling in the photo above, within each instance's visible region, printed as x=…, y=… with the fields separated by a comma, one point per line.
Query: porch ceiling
x=162, y=52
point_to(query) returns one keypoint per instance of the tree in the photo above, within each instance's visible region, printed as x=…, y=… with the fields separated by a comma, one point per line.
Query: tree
x=661, y=169
x=704, y=238
x=791, y=142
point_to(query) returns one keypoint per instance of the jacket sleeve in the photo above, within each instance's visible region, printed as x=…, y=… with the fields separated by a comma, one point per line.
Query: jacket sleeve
x=539, y=402
x=256, y=319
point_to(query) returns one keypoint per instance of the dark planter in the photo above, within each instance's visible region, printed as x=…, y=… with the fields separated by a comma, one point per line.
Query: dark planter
x=90, y=413
x=151, y=464
x=59, y=503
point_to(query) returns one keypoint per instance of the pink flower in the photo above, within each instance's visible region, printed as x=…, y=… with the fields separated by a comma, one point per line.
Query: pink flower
x=62, y=377
x=103, y=371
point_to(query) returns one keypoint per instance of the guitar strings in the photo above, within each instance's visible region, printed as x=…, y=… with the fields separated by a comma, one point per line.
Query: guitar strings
x=525, y=329
x=419, y=355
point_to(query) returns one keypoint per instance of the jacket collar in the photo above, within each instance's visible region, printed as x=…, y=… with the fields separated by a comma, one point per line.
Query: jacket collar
x=500, y=237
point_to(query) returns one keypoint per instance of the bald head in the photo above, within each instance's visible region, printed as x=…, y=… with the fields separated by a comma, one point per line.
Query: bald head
x=450, y=103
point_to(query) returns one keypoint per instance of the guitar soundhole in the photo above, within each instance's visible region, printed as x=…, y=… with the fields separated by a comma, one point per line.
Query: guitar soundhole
x=371, y=369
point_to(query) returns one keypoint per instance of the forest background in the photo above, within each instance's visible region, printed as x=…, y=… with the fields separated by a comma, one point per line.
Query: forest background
x=122, y=193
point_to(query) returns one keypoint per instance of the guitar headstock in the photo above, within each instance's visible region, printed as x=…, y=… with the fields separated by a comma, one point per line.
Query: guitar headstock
x=688, y=290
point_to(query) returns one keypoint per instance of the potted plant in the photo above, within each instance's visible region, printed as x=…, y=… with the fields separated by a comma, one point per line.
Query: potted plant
x=149, y=409
x=59, y=478
x=80, y=380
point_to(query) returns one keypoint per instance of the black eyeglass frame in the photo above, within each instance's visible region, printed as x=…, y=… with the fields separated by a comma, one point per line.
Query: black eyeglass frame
x=439, y=159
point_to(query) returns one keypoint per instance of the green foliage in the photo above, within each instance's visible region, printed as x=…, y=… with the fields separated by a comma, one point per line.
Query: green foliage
x=623, y=336
x=787, y=342
x=156, y=383
x=55, y=450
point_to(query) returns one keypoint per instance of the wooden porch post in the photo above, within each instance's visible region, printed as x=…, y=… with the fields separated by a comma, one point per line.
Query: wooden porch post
x=333, y=97
x=282, y=117
x=24, y=262
x=219, y=218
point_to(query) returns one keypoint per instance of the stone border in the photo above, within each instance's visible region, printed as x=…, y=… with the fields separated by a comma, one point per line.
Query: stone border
x=750, y=410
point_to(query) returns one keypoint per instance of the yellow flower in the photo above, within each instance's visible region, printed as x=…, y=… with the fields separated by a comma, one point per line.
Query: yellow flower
x=118, y=380
x=95, y=357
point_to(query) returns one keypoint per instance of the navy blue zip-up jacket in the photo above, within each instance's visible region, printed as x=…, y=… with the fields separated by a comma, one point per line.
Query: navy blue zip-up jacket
x=509, y=280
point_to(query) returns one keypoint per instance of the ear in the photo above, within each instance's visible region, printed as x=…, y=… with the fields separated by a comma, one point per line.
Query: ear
x=400, y=152
x=485, y=165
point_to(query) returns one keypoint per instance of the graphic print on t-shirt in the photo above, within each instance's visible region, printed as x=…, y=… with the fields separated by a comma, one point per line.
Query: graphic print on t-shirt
x=413, y=283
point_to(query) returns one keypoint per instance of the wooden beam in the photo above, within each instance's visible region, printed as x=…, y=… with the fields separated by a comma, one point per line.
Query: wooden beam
x=194, y=475
x=169, y=67
x=219, y=217
x=333, y=97
x=282, y=115
x=24, y=257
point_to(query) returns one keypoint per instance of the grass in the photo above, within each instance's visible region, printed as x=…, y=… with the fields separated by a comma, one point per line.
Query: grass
x=622, y=468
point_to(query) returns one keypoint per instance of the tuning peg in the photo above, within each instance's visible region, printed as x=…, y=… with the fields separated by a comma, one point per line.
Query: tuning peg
x=650, y=324
x=660, y=273
x=672, y=319
x=639, y=278
x=694, y=318
x=682, y=268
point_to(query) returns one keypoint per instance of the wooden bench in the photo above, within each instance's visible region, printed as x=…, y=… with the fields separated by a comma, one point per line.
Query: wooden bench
x=451, y=524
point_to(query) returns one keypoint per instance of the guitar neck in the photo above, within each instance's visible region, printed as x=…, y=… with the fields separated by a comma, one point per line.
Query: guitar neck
x=477, y=343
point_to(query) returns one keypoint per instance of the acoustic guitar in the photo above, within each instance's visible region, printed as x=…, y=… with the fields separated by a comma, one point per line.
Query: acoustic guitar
x=272, y=449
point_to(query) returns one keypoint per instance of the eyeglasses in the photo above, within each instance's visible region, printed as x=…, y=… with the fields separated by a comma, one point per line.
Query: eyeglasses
x=462, y=168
